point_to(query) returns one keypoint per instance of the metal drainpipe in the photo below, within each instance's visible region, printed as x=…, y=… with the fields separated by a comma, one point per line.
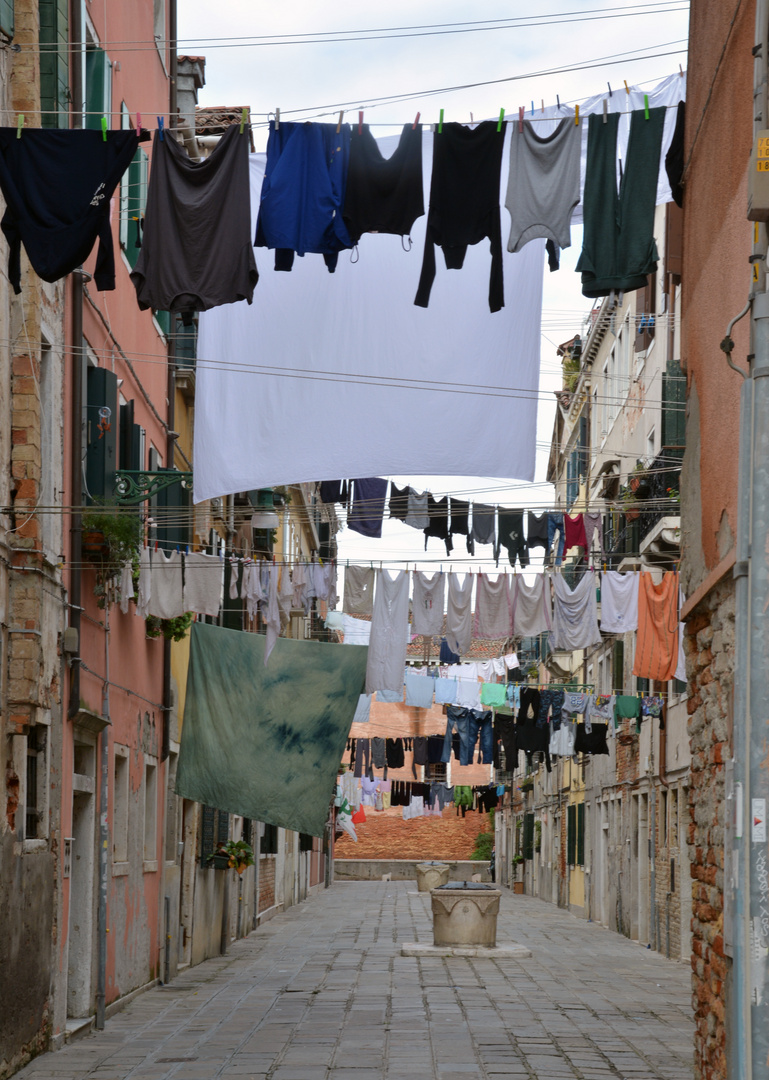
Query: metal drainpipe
x=101, y=926
x=652, y=849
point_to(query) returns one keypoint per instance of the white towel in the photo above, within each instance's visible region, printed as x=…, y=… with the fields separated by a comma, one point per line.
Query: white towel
x=619, y=601
x=234, y=577
x=271, y=613
x=166, y=595
x=145, y=584
x=203, y=576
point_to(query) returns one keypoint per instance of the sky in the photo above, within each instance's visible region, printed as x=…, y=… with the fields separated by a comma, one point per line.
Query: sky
x=265, y=56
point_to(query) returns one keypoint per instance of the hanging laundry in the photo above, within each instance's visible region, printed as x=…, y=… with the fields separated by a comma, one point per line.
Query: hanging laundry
x=251, y=588
x=493, y=608
x=384, y=194
x=390, y=697
x=419, y=690
x=652, y=705
x=555, y=525
x=563, y=739
x=126, y=586
x=543, y=183
x=514, y=695
x=355, y=631
x=58, y=187
x=591, y=742
x=457, y=719
x=481, y=731
x=484, y=524
x=602, y=708
x=417, y=516
x=378, y=758
x=575, y=701
x=504, y=739
x=619, y=250
x=464, y=203
x=575, y=614
x=681, y=663
x=399, y=502
x=593, y=526
x=445, y=691
x=427, y=605
x=144, y=591
x=529, y=737
x=550, y=701
x=196, y=248
x=285, y=596
x=459, y=616
x=234, y=573
x=446, y=656
x=460, y=520
x=330, y=491
x=674, y=159
x=626, y=707
x=511, y=660
x=271, y=612
x=203, y=575
x=368, y=506
x=531, y=606
x=303, y=193
x=574, y=528
x=362, y=710
x=166, y=592
x=362, y=766
x=358, y=590
x=510, y=536
x=656, y=655
x=420, y=746
x=394, y=753
x=619, y=601
x=438, y=521
x=468, y=687
x=389, y=627
x=493, y=694
x=536, y=531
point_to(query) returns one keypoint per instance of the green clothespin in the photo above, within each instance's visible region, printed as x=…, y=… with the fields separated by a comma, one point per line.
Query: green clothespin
x=243, y=119
x=19, y=125
x=646, y=106
x=104, y=128
x=502, y=117
x=440, y=123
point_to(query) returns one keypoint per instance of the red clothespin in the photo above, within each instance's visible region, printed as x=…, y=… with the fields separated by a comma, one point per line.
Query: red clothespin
x=160, y=127
x=520, y=120
x=416, y=121
x=138, y=123
x=360, y=122
x=156, y=545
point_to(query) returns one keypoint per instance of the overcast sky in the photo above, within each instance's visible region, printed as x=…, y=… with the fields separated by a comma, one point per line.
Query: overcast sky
x=315, y=80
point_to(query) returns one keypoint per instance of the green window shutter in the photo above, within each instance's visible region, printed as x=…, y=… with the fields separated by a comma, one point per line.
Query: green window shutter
x=673, y=405
x=101, y=434
x=163, y=319
x=571, y=834
x=6, y=18
x=98, y=87
x=134, y=203
x=207, y=834
x=223, y=827
x=618, y=667
x=173, y=516
x=54, y=62
x=581, y=834
x=528, y=836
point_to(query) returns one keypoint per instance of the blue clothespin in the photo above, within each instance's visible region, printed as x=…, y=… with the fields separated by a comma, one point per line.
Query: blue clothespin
x=160, y=127
x=532, y=108
x=104, y=128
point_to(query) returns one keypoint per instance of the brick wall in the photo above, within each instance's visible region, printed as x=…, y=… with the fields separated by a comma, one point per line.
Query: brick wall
x=266, y=882
x=709, y=647
x=385, y=835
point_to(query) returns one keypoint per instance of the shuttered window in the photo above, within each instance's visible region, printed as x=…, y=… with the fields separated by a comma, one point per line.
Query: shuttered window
x=673, y=405
x=571, y=834
x=54, y=61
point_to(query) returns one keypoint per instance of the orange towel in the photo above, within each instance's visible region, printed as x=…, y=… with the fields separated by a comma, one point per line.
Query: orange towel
x=656, y=653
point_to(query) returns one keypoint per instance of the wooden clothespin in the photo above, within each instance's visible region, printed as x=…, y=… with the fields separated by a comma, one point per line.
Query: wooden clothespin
x=277, y=119
x=520, y=120
x=501, y=119
x=576, y=115
x=243, y=119
x=339, y=122
x=138, y=123
x=440, y=123
x=160, y=127
x=360, y=122
x=627, y=88
x=680, y=71
x=646, y=106
x=605, y=110
x=416, y=121
x=104, y=128
x=543, y=105
x=19, y=124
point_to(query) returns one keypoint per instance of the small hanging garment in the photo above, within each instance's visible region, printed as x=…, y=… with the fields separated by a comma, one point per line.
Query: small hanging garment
x=362, y=710
x=384, y=195
x=619, y=601
x=601, y=708
x=399, y=502
x=464, y=203
x=656, y=655
x=144, y=596
x=543, y=183
x=626, y=707
x=510, y=536
x=563, y=738
x=531, y=606
x=299, y=583
x=368, y=506
x=57, y=187
x=593, y=527
x=493, y=694
x=330, y=491
x=493, y=610
x=166, y=593
x=286, y=595
x=484, y=520
x=468, y=687
x=203, y=583
x=575, y=531
x=303, y=192
x=419, y=690
x=445, y=691
x=438, y=521
x=427, y=605
x=555, y=525
x=234, y=569
x=196, y=248
x=459, y=616
x=460, y=519
x=271, y=612
x=619, y=251
x=394, y=753
x=536, y=534
x=593, y=741
x=358, y=590
x=126, y=586
x=417, y=516
x=389, y=626
x=575, y=614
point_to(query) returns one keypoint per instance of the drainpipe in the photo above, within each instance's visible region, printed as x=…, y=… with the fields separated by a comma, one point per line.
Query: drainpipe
x=652, y=850
x=101, y=924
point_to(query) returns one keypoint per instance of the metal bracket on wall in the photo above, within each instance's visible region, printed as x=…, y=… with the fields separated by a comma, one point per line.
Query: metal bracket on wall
x=134, y=487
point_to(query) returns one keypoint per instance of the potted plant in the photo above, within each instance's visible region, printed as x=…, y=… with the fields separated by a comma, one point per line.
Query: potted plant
x=171, y=629
x=111, y=537
x=234, y=854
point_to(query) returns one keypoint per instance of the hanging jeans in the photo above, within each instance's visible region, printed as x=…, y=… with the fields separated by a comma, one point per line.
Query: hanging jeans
x=555, y=524
x=550, y=699
x=458, y=718
x=481, y=726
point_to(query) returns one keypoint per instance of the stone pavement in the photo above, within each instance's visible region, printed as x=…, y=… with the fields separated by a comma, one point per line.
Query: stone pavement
x=321, y=992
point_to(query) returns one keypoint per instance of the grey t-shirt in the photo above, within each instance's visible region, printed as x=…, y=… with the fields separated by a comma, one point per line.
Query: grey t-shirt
x=543, y=184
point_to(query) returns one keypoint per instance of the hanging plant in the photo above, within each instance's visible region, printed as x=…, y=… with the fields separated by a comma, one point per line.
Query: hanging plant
x=171, y=629
x=238, y=853
x=111, y=537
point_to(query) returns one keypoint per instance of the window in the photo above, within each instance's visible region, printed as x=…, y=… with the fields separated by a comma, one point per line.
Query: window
x=306, y=842
x=133, y=200
x=437, y=771
x=673, y=818
x=618, y=666
x=269, y=845
x=33, y=826
x=173, y=810
x=121, y=794
x=650, y=440
x=673, y=405
x=575, y=834
x=98, y=86
x=54, y=61
x=150, y=810
x=528, y=836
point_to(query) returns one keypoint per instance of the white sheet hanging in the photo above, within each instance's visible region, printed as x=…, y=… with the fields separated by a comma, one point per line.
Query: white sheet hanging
x=619, y=601
x=389, y=626
x=575, y=614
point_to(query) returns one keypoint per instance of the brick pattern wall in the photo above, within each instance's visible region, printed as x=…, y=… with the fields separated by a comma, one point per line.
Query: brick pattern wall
x=266, y=882
x=385, y=835
x=709, y=647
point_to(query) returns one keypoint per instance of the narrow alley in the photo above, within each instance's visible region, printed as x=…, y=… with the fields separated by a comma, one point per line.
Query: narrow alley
x=321, y=992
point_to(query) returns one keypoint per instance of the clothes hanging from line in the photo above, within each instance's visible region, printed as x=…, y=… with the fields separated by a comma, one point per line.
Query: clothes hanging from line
x=575, y=614
x=593, y=741
x=383, y=194
x=362, y=710
x=460, y=520
x=417, y=516
x=446, y=656
x=427, y=604
x=574, y=531
x=543, y=183
x=674, y=159
x=359, y=590
x=389, y=626
x=166, y=589
x=493, y=608
x=531, y=607
x=536, y=531
x=419, y=690
x=619, y=601
x=367, y=512
x=656, y=655
x=459, y=615
x=555, y=525
x=510, y=536
x=593, y=522
x=203, y=583
x=484, y=525
x=438, y=521
x=398, y=504
x=356, y=631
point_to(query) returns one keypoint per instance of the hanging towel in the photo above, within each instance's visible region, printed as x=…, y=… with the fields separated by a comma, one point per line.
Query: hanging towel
x=656, y=655
x=531, y=606
x=355, y=631
x=234, y=572
x=299, y=582
x=575, y=614
x=493, y=610
x=358, y=590
x=330, y=491
x=203, y=576
x=464, y=203
x=166, y=595
x=196, y=248
x=626, y=707
x=438, y=521
x=427, y=605
x=145, y=584
x=417, y=516
x=483, y=523
x=459, y=616
x=493, y=694
x=303, y=193
x=543, y=183
x=445, y=691
x=468, y=687
x=362, y=710
x=619, y=601
x=368, y=506
x=389, y=627
x=58, y=189
x=619, y=251
x=575, y=531
x=384, y=195
x=419, y=690
x=591, y=742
